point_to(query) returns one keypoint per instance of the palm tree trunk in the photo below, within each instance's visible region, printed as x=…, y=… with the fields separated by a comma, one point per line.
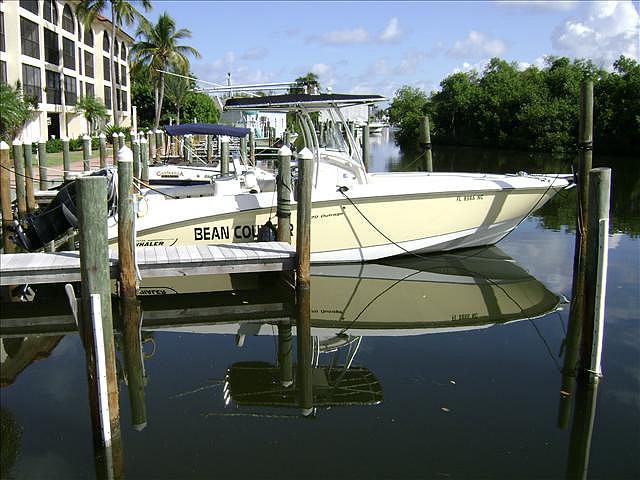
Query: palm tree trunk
x=178, y=115
x=159, y=112
x=113, y=66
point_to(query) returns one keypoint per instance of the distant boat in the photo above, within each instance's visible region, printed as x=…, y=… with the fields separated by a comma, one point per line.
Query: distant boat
x=375, y=128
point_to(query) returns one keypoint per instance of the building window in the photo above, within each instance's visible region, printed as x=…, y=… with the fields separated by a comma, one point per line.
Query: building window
x=3, y=46
x=67, y=20
x=70, y=91
x=123, y=52
x=88, y=64
x=123, y=103
x=107, y=97
x=123, y=75
x=115, y=49
x=53, y=88
x=68, y=53
x=79, y=61
x=116, y=71
x=31, y=86
x=50, y=11
x=105, y=41
x=3, y=72
x=51, y=49
x=90, y=90
x=29, y=38
x=105, y=69
x=88, y=37
x=31, y=5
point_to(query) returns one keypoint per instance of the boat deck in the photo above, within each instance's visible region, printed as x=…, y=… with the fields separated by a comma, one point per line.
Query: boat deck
x=176, y=261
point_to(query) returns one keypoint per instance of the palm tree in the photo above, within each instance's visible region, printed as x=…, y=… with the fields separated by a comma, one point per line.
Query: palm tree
x=15, y=112
x=92, y=109
x=158, y=50
x=177, y=91
x=122, y=12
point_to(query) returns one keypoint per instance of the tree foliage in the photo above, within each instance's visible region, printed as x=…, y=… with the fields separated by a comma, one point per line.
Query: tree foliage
x=15, y=112
x=93, y=110
x=534, y=109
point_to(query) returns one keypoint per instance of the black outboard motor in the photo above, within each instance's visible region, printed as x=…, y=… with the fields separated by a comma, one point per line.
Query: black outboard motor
x=37, y=229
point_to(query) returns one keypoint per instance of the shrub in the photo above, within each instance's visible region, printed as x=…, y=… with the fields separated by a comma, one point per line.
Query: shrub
x=54, y=145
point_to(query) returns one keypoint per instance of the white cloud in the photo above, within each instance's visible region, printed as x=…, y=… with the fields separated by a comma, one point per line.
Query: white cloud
x=609, y=29
x=392, y=31
x=467, y=67
x=538, y=5
x=344, y=37
x=410, y=62
x=477, y=45
x=254, y=54
x=321, y=69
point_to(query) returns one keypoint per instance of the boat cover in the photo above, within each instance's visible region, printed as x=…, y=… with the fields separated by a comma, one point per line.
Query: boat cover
x=294, y=100
x=205, y=129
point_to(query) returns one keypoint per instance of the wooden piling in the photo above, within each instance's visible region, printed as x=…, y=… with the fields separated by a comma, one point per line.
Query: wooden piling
x=144, y=160
x=186, y=149
x=121, y=142
x=158, y=144
x=151, y=138
x=42, y=164
x=135, y=148
x=209, y=148
x=425, y=143
x=224, y=157
x=28, y=177
x=243, y=149
x=103, y=150
x=582, y=431
x=284, y=195
x=252, y=147
x=18, y=166
x=94, y=268
x=86, y=153
x=126, y=219
x=5, y=198
x=596, y=268
x=303, y=214
x=115, y=142
x=133, y=362
x=66, y=160
x=365, y=145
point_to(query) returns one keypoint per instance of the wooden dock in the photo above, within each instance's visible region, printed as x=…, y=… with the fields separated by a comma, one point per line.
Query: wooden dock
x=177, y=261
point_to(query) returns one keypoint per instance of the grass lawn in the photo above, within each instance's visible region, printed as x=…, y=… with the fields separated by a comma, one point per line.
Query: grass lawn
x=55, y=159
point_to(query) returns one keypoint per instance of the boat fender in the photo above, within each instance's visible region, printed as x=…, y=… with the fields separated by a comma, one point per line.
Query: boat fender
x=267, y=232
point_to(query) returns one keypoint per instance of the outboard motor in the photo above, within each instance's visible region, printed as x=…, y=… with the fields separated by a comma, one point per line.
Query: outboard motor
x=37, y=229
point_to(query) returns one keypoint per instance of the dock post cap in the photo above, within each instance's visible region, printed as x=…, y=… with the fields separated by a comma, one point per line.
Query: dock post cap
x=305, y=154
x=125, y=154
x=102, y=135
x=224, y=138
x=17, y=142
x=284, y=151
x=143, y=140
x=114, y=134
x=63, y=138
x=158, y=130
x=121, y=134
x=26, y=141
x=4, y=145
x=86, y=137
x=42, y=140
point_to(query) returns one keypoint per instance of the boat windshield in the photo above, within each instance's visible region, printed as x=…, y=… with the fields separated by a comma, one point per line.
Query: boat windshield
x=331, y=137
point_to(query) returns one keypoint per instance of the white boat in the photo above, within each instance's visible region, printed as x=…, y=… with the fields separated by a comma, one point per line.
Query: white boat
x=356, y=216
x=375, y=128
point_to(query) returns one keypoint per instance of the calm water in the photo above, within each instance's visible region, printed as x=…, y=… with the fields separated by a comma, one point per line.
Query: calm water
x=455, y=366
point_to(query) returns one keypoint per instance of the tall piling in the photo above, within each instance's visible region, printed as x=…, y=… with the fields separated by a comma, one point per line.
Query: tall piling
x=94, y=273
x=303, y=217
x=133, y=361
x=366, y=145
x=144, y=160
x=283, y=211
x=151, y=138
x=159, y=143
x=596, y=268
x=425, y=143
x=103, y=150
x=285, y=354
x=66, y=159
x=304, y=368
x=243, y=149
x=186, y=148
x=5, y=198
x=224, y=157
x=135, y=148
x=209, y=148
x=252, y=147
x=42, y=164
x=29, y=177
x=18, y=166
x=115, y=141
x=126, y=219
x=86, y=153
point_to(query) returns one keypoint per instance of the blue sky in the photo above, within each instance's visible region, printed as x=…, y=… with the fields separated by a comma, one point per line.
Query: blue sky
x=378, y=46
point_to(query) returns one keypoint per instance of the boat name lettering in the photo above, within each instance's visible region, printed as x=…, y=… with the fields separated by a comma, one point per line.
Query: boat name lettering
x=464, y=316
x=150, y=243
x=170, y=173
x=327, y=215
x=156, y=291
x=322, y=310
x=468, y=198
x=211, y=233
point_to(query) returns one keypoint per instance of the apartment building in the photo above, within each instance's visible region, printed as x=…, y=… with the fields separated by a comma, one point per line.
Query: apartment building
x=45, y=47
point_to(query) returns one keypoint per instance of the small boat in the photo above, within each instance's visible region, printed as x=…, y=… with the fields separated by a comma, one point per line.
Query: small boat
x=356, y=215
x=375, y=128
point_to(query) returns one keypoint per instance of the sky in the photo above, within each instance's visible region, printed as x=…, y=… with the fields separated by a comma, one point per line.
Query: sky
x=378, y=46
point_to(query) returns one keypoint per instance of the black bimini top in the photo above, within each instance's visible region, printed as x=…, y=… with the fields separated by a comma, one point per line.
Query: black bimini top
x=205, y=129
x=295, y=100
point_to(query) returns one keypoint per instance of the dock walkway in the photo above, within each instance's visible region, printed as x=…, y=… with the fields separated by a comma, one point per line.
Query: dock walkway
x=62, y=267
